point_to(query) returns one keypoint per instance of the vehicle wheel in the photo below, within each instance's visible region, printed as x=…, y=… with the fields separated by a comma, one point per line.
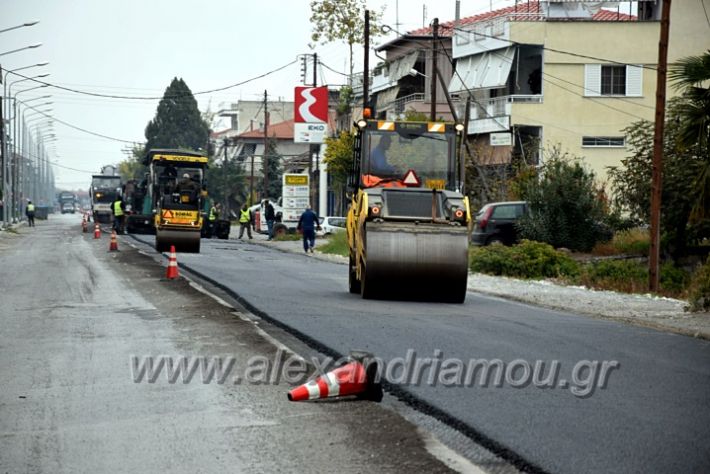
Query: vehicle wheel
x=280, y=230
x=353, y=282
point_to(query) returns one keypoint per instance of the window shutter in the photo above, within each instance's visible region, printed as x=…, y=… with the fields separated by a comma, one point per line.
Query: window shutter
x=592, y=80
x=634, y=81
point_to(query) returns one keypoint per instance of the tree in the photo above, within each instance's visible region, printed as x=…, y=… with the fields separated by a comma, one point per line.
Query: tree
x=338, y=157
x=689, y=74
x=133, y=167
x=565, y=209
x=631, y=182
x=342, y=20
x=177, y=122
x=226, y=181
x=273, y=170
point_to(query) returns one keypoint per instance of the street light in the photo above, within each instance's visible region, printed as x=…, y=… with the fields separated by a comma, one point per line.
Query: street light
x=36, y=45
x=27, y=23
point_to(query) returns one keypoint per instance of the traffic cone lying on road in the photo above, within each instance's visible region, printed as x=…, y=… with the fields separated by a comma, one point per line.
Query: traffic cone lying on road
x=172, y=272
x=354, y=378
x=97, y=232
x=113, y=246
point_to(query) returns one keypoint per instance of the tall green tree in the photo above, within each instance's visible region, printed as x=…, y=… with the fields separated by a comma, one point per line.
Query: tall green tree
x=689, y=75
x=226, y=181
x=177, y=122
x=342, y=20
x=274, y=171
x=133, y=167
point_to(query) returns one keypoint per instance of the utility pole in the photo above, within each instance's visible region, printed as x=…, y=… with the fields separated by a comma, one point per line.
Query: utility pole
x=251, y=182
x=313, y=151
x=366, y=72
x=265, y=158
x=657, y=170
x=432, y=78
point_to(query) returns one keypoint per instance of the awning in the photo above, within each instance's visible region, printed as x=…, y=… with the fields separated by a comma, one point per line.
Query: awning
x=386, y=97
x=401, y=67
x=483, y=71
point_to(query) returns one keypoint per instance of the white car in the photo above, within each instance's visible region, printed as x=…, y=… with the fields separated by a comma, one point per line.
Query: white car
x=331, y=224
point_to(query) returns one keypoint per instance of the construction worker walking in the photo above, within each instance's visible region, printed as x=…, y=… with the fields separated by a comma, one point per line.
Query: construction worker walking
x=245, y=221
x=30, y=213
x=307, y=225
x=119, y=214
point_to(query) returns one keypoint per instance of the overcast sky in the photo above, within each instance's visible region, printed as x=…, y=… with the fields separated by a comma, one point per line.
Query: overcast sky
x=135, y=48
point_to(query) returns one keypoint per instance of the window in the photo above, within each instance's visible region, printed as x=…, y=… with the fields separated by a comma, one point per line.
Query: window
x=505, y=212
x=608, y=142
x=613, y=80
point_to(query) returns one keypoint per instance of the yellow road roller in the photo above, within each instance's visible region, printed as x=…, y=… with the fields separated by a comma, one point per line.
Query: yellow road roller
x=408, y=222
x=177, y=191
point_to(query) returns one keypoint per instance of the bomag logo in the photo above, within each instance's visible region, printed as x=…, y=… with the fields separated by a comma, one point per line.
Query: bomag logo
x=435, y=183
x=179, y=217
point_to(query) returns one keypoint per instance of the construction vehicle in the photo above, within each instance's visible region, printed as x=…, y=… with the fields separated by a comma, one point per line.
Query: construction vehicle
x=105, y=188
x=175, y=202
x=67, y=202
x=408, y=223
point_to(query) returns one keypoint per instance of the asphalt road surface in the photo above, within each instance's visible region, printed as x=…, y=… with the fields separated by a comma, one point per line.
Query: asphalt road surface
x=651, y=415
x=71, y=317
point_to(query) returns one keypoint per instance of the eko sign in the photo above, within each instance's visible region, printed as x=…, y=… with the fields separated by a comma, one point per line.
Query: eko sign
x=310, y=114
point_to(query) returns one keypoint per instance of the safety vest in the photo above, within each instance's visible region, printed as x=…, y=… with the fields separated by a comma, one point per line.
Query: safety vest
x=117, y=211
x=213, y=214
x=30, y=208
x=244, y=218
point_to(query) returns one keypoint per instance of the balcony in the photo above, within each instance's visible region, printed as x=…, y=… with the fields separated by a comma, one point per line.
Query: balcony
x=493, y=115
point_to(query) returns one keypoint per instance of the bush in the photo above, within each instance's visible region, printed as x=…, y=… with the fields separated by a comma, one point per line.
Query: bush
x=631, y=276
x=627, y=242
x=525, y=260
x=699, y=291
x=566, y=209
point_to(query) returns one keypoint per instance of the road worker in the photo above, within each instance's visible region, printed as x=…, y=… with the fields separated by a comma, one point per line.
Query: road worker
x=245, y=221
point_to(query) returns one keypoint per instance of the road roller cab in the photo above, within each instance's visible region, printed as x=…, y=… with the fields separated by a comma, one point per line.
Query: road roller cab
x=408, y=222
x=177, y=195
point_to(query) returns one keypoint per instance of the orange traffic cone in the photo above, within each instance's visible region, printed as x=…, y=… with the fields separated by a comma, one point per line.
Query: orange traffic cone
x=113, y=246
x=172, y=272
x=97, y=232
x=354, y=378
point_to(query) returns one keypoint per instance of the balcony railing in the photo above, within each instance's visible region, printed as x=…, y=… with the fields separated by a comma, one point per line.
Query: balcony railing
x=493, y=115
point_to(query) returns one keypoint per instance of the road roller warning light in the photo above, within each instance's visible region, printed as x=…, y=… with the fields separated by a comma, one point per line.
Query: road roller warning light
x=356, y=377
x=408, y=223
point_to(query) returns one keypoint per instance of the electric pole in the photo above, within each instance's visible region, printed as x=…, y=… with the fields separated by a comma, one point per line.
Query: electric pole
x=366, y=72
x=432, y=77
x=657, y=170
x=313, y=151
x=265, y=158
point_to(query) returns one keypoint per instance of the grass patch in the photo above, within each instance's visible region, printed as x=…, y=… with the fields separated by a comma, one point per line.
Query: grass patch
x=626, y=242
x=699, y=291
x=337, y=244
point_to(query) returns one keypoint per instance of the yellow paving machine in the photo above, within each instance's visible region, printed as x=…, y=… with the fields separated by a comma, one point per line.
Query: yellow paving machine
x=408, y=222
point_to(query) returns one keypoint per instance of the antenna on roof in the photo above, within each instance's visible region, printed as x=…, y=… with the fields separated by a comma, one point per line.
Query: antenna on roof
x=423, y=15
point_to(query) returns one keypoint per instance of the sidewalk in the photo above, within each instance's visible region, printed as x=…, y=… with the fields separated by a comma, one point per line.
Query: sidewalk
x=656, y=312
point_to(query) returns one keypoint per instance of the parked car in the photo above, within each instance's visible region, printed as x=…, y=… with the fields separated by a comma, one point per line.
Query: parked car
x=496, y=222
x=331, y=224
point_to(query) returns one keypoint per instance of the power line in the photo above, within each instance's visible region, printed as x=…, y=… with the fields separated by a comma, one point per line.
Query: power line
x=107, y=137
x=115, y=96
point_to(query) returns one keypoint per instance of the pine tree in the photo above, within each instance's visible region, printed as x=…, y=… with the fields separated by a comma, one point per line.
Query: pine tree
x=273, y=170
x=177, y=122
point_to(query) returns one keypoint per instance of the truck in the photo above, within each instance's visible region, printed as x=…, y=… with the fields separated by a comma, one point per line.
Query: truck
x=67, y=202
x=294, y=199
x=408, y=223
x=104, y=190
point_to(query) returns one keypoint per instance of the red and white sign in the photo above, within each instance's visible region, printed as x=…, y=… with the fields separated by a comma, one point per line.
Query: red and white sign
x=311, y=105
x=411, y=179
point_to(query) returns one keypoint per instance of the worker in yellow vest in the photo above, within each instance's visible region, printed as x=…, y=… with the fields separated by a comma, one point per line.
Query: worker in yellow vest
x=245, y=221
x=119, y=214
x=30, y=213
x=212, y=219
